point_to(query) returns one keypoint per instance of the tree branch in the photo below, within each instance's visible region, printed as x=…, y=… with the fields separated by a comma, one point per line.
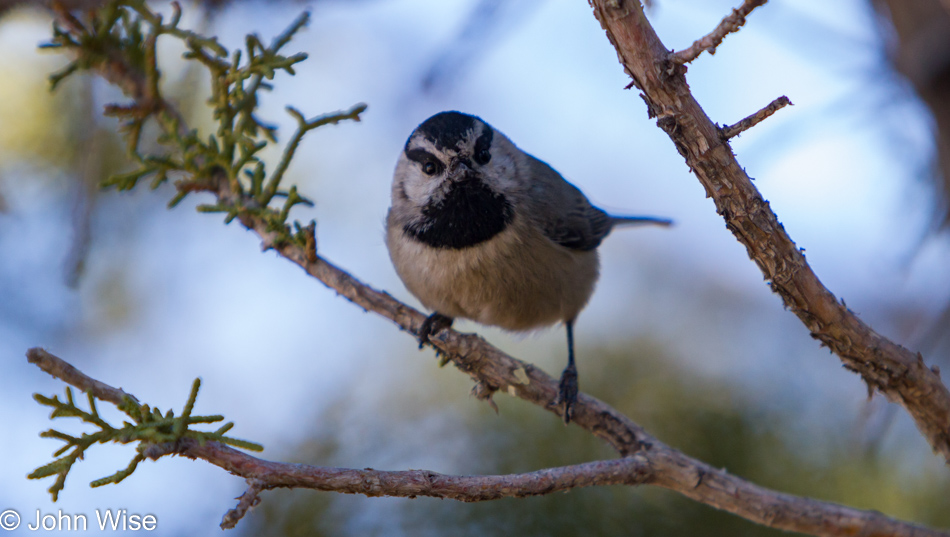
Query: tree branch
x=74, y=377
x=731, y=23
x=901, y=375
x=734, y=130
x=656, y=464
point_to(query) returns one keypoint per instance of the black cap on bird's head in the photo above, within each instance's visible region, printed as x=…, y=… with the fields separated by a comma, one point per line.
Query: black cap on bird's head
x=447, y=129
x=451, y=130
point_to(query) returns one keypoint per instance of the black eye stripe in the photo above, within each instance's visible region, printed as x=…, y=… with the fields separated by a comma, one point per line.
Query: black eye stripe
x=419, y=155
x=423, y=157
x=482, y=146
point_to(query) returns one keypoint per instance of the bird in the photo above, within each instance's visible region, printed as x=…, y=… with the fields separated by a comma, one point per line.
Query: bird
x=479, y=229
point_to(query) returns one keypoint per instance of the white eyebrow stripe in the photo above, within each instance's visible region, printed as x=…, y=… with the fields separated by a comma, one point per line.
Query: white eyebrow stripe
x=421, y=142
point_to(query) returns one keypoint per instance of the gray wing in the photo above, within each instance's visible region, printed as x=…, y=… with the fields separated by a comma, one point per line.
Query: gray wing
x=563, y=212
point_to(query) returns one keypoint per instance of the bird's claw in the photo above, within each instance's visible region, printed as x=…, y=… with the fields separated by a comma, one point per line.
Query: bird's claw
x=433, y=325
x=567, y=393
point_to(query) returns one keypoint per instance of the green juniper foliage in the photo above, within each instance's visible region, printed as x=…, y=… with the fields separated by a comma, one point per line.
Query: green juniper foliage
x=149, y=426
x=118, y=42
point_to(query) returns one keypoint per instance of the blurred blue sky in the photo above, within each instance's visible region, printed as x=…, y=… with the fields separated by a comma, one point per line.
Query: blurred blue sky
x=171, y=295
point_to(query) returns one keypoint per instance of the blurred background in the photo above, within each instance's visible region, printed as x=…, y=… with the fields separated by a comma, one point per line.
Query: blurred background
x=682, y=335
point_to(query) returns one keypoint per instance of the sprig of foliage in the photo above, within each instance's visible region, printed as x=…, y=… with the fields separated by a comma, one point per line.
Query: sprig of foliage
x=119, y=42
x=149, y=426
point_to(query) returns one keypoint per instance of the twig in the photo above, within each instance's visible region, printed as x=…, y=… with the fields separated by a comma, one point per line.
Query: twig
x=656, y=464
x=901, y=375
x=731, y=23
x=249, y=499
x=74, y=377
x=733, y=130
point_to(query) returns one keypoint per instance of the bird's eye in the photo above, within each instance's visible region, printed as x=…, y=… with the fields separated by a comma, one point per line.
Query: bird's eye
x=430, y=164
x=483, y=156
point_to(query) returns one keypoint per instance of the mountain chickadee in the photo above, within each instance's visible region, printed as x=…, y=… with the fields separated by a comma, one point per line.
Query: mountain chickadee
x=481, y=230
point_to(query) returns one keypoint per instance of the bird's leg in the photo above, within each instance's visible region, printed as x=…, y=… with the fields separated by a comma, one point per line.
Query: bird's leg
x=567, y=393
x=432, y=325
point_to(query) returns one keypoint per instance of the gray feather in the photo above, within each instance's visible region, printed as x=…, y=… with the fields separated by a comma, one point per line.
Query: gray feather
x=566, y=216
x=640, y=221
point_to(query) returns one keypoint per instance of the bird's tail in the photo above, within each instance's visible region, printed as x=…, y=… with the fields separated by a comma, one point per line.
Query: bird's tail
x=639, y=220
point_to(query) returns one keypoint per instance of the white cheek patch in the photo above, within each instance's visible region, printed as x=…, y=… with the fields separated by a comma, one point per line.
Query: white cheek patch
x=419, y=187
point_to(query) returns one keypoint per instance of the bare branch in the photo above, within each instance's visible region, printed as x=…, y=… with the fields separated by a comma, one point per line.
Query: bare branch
x=731, y=23
x=656, y=464
x=733, y=130
x=74, y=377
x=249, y=499
x=901, y=375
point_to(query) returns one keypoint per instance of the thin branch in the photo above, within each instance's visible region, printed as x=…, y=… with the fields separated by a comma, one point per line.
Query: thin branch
x=657, y=465
x=901, y=375
x=250, y=498
x=733, y=130
x=264, y=475
x=731, y=23
x=303, y=126
x=74, y=377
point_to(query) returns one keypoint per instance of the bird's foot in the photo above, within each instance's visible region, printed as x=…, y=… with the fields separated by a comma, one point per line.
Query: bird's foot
x=567, y=393
x=433, y=325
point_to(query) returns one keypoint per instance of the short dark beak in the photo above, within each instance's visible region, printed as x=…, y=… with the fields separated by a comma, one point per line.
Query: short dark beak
x=459, y=167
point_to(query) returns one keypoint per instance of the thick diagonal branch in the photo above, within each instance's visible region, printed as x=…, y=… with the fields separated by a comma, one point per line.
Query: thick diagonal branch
x=901, y=375
x=656, y=464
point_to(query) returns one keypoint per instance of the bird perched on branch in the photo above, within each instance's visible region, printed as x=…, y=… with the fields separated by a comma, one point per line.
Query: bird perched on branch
x=480, y=230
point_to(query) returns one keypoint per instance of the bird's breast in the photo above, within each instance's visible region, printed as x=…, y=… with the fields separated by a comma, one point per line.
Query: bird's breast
x=517, y=279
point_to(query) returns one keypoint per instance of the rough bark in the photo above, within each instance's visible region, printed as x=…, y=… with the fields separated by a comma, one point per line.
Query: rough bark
x=899, y=374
